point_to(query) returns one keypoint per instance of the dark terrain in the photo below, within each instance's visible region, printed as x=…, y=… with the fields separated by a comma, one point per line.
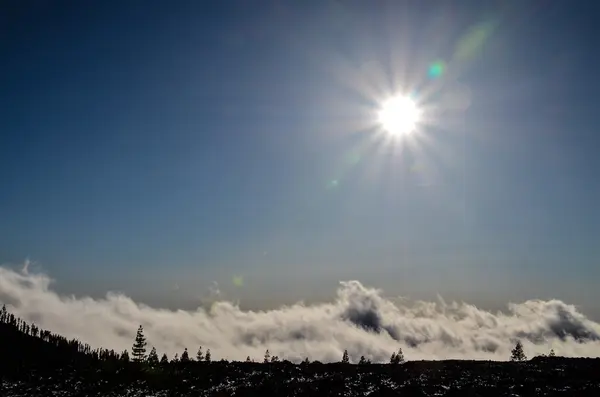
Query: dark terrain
x=35, y=362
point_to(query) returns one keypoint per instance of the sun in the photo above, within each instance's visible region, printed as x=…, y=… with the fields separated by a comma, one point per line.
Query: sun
x=399, y=115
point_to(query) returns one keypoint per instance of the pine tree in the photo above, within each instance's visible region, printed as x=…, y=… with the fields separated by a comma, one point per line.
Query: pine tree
x=185, y=357
x=153, y=358
x=274, y=359
x=139, y=347
x=125, y=356
x=552, y=354
x=399, y=356
x=248, y=359
x=267, y=356
x=517, y=354
x=306, y=361
x=175, y=358
x=3, y=314
x=345, y=357
x=393, y=358
x=362, y=360
x=164, y=360
x=207, y=357
x=199, y=355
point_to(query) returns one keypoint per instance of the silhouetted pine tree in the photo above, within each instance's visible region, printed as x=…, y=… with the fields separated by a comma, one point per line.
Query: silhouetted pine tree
x=175, y=358
x=207, y=358
x=185, y=357
x=552, y=354
x=274, y=359
x=362, y=360
x=399, y=356
x=3, y=314
x=345, y=357
x=138, y=351
x=306, y=361
x=517, y=354
x=153, y=358
x=164, y=360
x=267, y=356
x=248, y=359
x=125, y=356
x=199, y=355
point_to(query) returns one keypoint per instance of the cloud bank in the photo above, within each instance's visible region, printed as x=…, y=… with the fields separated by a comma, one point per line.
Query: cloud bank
x=360, y=319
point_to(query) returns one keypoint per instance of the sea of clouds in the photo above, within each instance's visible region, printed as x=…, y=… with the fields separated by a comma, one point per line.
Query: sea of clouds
x=360, y=319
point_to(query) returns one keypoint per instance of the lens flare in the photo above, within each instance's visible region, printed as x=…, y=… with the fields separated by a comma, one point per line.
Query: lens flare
x=436, y=69
x=238, y=281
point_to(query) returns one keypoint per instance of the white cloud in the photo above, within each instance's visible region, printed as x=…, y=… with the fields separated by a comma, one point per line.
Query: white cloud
x=26, y=264
x=359, y=319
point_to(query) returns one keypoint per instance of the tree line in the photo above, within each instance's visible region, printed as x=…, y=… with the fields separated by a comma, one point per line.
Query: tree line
x=139, y=352
x=140, y=343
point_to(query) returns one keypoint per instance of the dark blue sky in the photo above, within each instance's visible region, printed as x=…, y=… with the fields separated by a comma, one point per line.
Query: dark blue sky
x=152, y=144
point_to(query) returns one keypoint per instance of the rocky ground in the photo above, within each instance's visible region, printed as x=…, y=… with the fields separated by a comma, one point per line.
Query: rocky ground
x=538, y=377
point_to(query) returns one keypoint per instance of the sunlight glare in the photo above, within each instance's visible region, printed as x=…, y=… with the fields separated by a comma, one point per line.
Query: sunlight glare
x=399, y=115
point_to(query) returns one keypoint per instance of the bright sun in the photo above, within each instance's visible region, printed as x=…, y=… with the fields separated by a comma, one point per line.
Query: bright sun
x=399, y=115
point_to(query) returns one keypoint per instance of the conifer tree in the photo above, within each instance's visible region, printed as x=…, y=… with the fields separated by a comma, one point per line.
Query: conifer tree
x=399, y=356
x=362, y=360
x=306, y=361
x=164, y=360
x=125, y=356
x=517, y=354
x=248, y=359
x=139, y=346
x=185, y=357
x=3, y=314
x=207, y=357
x=153, y=358
x=199, y=355
x=393, y=358
x=267, y=356
x=175, y=358
x=345, y=357
x=552, y=354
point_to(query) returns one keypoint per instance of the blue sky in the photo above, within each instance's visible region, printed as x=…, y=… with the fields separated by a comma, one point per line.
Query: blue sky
x=148, y=145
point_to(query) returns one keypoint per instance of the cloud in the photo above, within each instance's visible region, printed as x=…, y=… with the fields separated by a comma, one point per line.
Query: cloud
x=213, y=291
x=25, y=268
x=359, y=319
